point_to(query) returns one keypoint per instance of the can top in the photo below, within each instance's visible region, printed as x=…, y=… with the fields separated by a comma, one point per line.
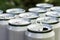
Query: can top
x=44, y=5
x=36, y=9
x=19, y=21
x=29, y=15
x=15, y=10
x=53, y=14
x=39, y=28
x=55, y=8
x=48, y=20
x=6, y=16
x=1, y=11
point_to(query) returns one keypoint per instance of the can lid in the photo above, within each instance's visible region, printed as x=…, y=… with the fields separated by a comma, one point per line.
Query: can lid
x=35, y=9
x=55, y=8
x=48, y=20
x=15, y=10
x=29, y=15
x=39, y=28
x=53, y=14
x=44, y=5
x=6, y=16
x=1, y=11
x=19, y=21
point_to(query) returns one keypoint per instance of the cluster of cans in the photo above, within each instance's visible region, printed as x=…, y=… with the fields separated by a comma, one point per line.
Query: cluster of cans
x=40, y=23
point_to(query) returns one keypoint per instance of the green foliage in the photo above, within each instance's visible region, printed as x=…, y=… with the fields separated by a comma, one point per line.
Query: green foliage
x=5, y=4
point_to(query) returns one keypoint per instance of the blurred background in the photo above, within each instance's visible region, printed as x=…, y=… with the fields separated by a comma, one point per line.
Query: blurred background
x=25, y=4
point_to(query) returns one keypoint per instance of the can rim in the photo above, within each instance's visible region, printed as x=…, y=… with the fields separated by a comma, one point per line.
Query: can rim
x=39, y=32
x=18, y=25
x=11, y=10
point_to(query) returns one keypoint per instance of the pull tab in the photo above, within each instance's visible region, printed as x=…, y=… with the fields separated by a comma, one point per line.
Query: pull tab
x=40, y=26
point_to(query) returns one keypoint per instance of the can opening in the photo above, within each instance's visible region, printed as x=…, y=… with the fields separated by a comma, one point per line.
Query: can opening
x=45, y=28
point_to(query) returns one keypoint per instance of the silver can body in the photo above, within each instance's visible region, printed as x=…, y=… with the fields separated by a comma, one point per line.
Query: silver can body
x=56, y=28
x=17, y=28
x=3, y=26
x=39, y=32
x=3, y=30
x=40, y=36
x=16, y=33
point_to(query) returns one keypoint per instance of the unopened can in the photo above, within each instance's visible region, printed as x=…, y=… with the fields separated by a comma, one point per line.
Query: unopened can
x=54, y=22
x=44, y=5
x=53, y=14
x=39, y=32
x=30, y=15
x=55, y=8
x=17, y=28
x=15, y=11
x=3, y=25
x=40, y=11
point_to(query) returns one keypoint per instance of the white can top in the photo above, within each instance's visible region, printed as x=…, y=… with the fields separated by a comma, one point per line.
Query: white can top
x=35, y=9
x=29, y=15
x=48, y=20
x=53, y=14
x=55, y=8
x=6, y=16
x=44, y=5
x=15, y=10
x=19, y=21
x=39, y=28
